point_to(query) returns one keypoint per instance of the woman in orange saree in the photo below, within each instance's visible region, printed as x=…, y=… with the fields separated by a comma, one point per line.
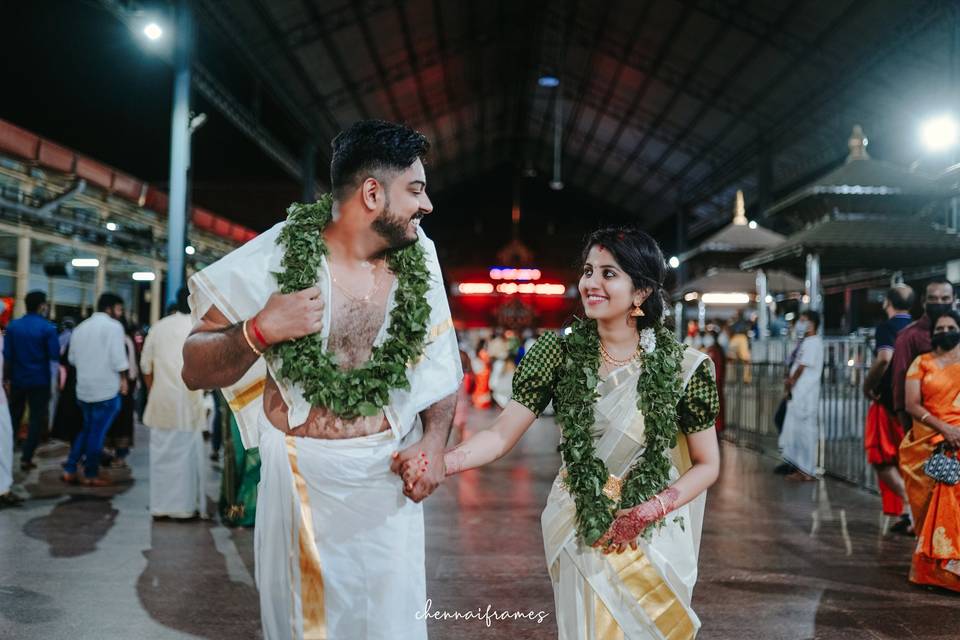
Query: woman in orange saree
x=933, y=400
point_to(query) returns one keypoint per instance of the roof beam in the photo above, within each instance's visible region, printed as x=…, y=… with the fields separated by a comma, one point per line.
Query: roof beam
x=232, y=109
x=621, y=57
x=923, y=15
x=724, y=85
x=638, y=97
x=385, y=84
x=415, y=66
x=439, y=32
x=557, y=93
x=333, y=53
x=708, y=47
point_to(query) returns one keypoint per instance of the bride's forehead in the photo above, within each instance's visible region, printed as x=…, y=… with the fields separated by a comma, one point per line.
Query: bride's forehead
x=599, y=252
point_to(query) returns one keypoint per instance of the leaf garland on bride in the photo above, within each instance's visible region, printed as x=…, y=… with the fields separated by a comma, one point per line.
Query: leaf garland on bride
x=365, y=390
x=659, y=388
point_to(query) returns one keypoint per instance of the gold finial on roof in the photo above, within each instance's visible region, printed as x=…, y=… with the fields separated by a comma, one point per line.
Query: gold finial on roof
x=858, y=145
x=739, y=210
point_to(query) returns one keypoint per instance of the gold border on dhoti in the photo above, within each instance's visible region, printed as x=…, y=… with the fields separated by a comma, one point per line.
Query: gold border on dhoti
x=311, y=577
x=247, y=395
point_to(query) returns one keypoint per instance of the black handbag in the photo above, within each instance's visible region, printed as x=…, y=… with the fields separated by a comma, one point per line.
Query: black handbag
x=942, y=467
x=780, y=415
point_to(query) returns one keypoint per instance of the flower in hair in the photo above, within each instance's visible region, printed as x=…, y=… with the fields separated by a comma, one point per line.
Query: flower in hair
x=648, y=340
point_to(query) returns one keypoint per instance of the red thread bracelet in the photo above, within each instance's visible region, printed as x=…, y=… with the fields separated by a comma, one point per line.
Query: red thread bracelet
x=256, y=332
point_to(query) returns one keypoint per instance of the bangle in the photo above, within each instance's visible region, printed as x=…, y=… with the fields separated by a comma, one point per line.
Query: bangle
x=924, y=417
x=256, y=332
x=249, y=341
x=662, y=506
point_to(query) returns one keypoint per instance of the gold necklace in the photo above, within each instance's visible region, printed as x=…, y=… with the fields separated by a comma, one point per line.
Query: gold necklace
x=377, y=283
x=614, y=361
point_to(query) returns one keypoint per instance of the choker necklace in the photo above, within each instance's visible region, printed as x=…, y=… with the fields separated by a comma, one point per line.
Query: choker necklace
x=614, y=361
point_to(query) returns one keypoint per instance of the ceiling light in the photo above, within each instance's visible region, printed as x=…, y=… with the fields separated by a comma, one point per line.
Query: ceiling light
x=726, y=298
x=189, y=250
x=940, y=133
x=85, y=262
x=674, y=262
x=548, y=81
x=153, y=31
x=112, y=226
x=144, y=276
x=753, y=224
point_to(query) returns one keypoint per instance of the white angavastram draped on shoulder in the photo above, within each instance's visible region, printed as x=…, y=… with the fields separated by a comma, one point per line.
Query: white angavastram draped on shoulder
x=239, y=285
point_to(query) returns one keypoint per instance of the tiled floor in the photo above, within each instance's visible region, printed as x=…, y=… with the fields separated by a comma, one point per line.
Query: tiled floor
x=778, y=560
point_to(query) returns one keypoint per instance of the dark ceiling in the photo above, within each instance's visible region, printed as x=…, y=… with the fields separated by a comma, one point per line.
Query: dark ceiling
x=664, y=103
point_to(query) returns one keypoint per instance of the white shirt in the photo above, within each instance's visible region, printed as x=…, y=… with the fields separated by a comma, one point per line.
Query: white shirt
x=170, y=405
x=98, y=351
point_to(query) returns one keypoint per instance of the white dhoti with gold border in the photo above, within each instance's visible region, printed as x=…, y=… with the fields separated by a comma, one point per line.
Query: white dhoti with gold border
x=339, y=548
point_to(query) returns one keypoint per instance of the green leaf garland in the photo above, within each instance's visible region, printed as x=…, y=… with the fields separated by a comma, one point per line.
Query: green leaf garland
x=362, y=391
x=658, y=392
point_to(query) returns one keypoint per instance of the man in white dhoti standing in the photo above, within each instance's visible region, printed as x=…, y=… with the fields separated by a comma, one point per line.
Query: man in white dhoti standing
x=176, y=418
x=7, y=497
x=345, y=301
x=801, y=436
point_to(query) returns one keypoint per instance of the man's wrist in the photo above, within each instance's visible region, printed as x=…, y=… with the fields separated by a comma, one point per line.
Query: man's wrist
x=433, y=440
x=258, y=334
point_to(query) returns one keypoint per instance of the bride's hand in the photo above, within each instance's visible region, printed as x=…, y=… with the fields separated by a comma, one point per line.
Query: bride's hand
x=629, y=524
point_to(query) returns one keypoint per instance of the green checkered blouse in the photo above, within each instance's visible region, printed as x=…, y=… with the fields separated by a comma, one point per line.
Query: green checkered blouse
x=535, y=379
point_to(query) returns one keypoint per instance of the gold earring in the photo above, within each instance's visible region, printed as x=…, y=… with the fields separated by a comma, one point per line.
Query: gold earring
x=637, y=311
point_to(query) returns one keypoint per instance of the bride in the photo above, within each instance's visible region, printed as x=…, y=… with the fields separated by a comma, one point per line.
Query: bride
x=636, y=410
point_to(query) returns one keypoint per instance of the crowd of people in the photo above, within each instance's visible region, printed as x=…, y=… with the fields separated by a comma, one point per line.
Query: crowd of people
x=99, y=377
x=913, y=416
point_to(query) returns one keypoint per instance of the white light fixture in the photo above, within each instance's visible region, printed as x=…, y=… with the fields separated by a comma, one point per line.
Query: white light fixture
x=805, y=299
x=768, y=299
x=690, y=297
x=753, y=224
x=144, y=276
x=112, y=226
x=85, y=262
x=674, y=262
x=189, y=250
x=725, y=298
x=940, y=133
x=153, y=31
x=548, y=81
x=475, y=288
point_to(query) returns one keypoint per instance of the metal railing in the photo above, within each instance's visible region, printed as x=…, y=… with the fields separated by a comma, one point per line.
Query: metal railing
x=753, y=392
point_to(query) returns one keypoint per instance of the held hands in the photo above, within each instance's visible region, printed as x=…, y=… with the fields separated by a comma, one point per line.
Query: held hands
x=421, y=468
x=290, y=316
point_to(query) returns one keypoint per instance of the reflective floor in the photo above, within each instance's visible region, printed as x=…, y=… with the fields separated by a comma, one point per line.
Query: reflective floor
x=778, y=561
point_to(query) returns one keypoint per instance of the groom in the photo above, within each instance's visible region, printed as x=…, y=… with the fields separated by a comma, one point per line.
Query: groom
x=339, y=549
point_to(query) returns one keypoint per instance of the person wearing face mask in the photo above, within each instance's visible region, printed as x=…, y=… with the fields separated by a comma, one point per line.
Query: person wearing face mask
x=800, y=434
x=883, y=432
x=914, y=340
x=931, y=391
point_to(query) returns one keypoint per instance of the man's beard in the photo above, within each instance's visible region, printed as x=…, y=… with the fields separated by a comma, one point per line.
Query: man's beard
x=392, y=228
